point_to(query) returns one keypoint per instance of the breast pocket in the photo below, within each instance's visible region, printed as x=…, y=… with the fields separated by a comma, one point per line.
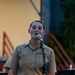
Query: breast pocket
x=40, y=60
x=21, y=57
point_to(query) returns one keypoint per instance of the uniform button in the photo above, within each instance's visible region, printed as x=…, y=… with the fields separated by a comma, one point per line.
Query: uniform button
x=33, y=58
x=33, y=65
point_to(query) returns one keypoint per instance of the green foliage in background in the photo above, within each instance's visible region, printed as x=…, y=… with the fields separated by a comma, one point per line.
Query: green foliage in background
x=66, y=35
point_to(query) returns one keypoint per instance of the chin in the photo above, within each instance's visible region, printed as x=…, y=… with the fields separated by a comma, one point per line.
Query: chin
x=34, y=37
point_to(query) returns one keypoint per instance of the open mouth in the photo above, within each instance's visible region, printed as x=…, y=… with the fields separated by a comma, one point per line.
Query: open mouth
x=36, y=33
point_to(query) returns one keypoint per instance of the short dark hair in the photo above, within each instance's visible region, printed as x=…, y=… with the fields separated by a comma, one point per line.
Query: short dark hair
x=39, y=22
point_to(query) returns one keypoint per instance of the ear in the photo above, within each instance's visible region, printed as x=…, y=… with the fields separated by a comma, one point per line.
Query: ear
x=29, y=31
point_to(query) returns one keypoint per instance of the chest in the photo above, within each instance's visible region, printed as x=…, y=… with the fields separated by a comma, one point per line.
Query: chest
x=30, y=58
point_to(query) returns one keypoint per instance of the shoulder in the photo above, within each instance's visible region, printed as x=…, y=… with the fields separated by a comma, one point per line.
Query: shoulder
x=48, y=50
x=21, y=46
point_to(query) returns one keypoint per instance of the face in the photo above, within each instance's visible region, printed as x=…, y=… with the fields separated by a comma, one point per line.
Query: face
x=36, y=27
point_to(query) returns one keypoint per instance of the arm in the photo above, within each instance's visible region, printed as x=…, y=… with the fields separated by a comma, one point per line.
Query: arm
x=12, y=72
x=51, y=73
x=6, y=66
x=13, y=63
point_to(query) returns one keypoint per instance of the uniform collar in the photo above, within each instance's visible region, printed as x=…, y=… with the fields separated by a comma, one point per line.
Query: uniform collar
x=29, y=44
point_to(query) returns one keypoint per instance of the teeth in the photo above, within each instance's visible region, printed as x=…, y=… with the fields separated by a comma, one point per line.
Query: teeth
x=36, y=33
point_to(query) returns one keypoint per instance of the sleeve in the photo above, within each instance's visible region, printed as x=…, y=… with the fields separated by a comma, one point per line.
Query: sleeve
x=52, y=63
x=14, y=59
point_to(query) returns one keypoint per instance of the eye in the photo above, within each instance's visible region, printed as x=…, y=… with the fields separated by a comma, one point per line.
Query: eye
x=40, y=28
x=33, y=27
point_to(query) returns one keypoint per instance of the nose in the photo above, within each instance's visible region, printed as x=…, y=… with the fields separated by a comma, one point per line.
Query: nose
x=37, y=29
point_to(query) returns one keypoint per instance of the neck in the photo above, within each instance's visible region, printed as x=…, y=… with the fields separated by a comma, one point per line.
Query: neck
x=35, y=42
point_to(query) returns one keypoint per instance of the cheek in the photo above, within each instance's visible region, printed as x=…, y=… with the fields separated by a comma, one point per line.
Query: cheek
x=42, y=32
x=31, y=31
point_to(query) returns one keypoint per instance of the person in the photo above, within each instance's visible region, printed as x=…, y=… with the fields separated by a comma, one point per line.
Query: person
x=6, y=66
x=27, y=58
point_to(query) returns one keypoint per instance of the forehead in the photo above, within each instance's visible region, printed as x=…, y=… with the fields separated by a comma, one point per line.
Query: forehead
x=37, y=24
